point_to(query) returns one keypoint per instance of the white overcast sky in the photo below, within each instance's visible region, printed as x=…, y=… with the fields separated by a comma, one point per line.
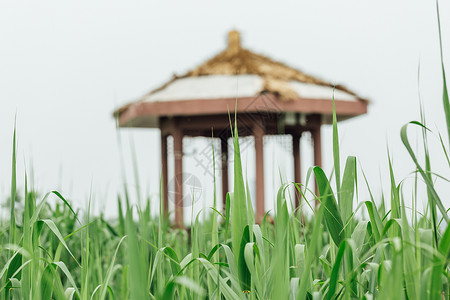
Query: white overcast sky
x=66, y=65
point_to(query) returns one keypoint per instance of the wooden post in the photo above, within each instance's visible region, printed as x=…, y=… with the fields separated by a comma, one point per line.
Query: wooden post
x=178, y=158
x=224, y=153
x=315, y=133
x=258, y=132
x=165, y=192
x=297, y=166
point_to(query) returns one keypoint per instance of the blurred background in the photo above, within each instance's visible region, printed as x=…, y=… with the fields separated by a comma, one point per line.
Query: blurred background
x=66, y=66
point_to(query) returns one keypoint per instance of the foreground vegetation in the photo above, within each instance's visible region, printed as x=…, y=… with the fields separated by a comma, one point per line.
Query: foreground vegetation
x=50, y=254
x=396, y=253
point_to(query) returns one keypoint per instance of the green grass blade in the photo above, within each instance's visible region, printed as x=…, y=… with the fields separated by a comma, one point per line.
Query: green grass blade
x=445, y=98
x=238, y=203
x=347, y=191
x=12, y=216
x=52, y=226
x=440, y=260
x=305, y=280
x=334, y=278
x=434, y=196
x=337, y=166
x=410, y=265
x=66, y=272
x=280, y=261
x=138, y=286
x=110, y=271
x=67, y=204
x=331, y=213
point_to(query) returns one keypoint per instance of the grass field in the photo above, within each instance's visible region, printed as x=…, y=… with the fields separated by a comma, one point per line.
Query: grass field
x=397, y=253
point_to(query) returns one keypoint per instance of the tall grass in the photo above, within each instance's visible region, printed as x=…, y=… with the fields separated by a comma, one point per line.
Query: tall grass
x=48, y=253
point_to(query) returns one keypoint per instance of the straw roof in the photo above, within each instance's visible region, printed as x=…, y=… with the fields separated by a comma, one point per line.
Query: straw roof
x=255, y=74
x=236, y=60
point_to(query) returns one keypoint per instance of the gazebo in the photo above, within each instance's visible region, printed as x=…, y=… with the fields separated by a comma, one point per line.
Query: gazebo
x=269, y=98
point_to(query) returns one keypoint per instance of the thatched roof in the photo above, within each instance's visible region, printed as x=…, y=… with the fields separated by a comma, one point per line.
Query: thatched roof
x=236, y=60
x=238, y=73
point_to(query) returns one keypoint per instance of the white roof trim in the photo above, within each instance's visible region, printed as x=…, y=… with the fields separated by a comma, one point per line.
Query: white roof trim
x=235, y=86
x=313, y=91
x=209, y=87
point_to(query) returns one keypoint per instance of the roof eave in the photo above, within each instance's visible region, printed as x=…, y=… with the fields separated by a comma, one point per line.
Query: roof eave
x=132, y=115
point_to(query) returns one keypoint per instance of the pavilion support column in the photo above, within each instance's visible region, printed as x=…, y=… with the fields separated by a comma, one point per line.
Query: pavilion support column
x=297, y=166
x=315, y=133
x=178, y=158
x=258, y=132
x=224, y=152
x=165, y=191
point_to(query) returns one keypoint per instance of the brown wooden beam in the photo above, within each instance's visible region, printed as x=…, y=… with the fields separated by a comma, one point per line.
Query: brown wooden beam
x=317, y=144
x=165, y=191
x=224, y=152
x=166, y=125
x=135, y=113
x=201, y=125
x=178, y=158
x=258, y=132
x=297, y=166
x=221, y=123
